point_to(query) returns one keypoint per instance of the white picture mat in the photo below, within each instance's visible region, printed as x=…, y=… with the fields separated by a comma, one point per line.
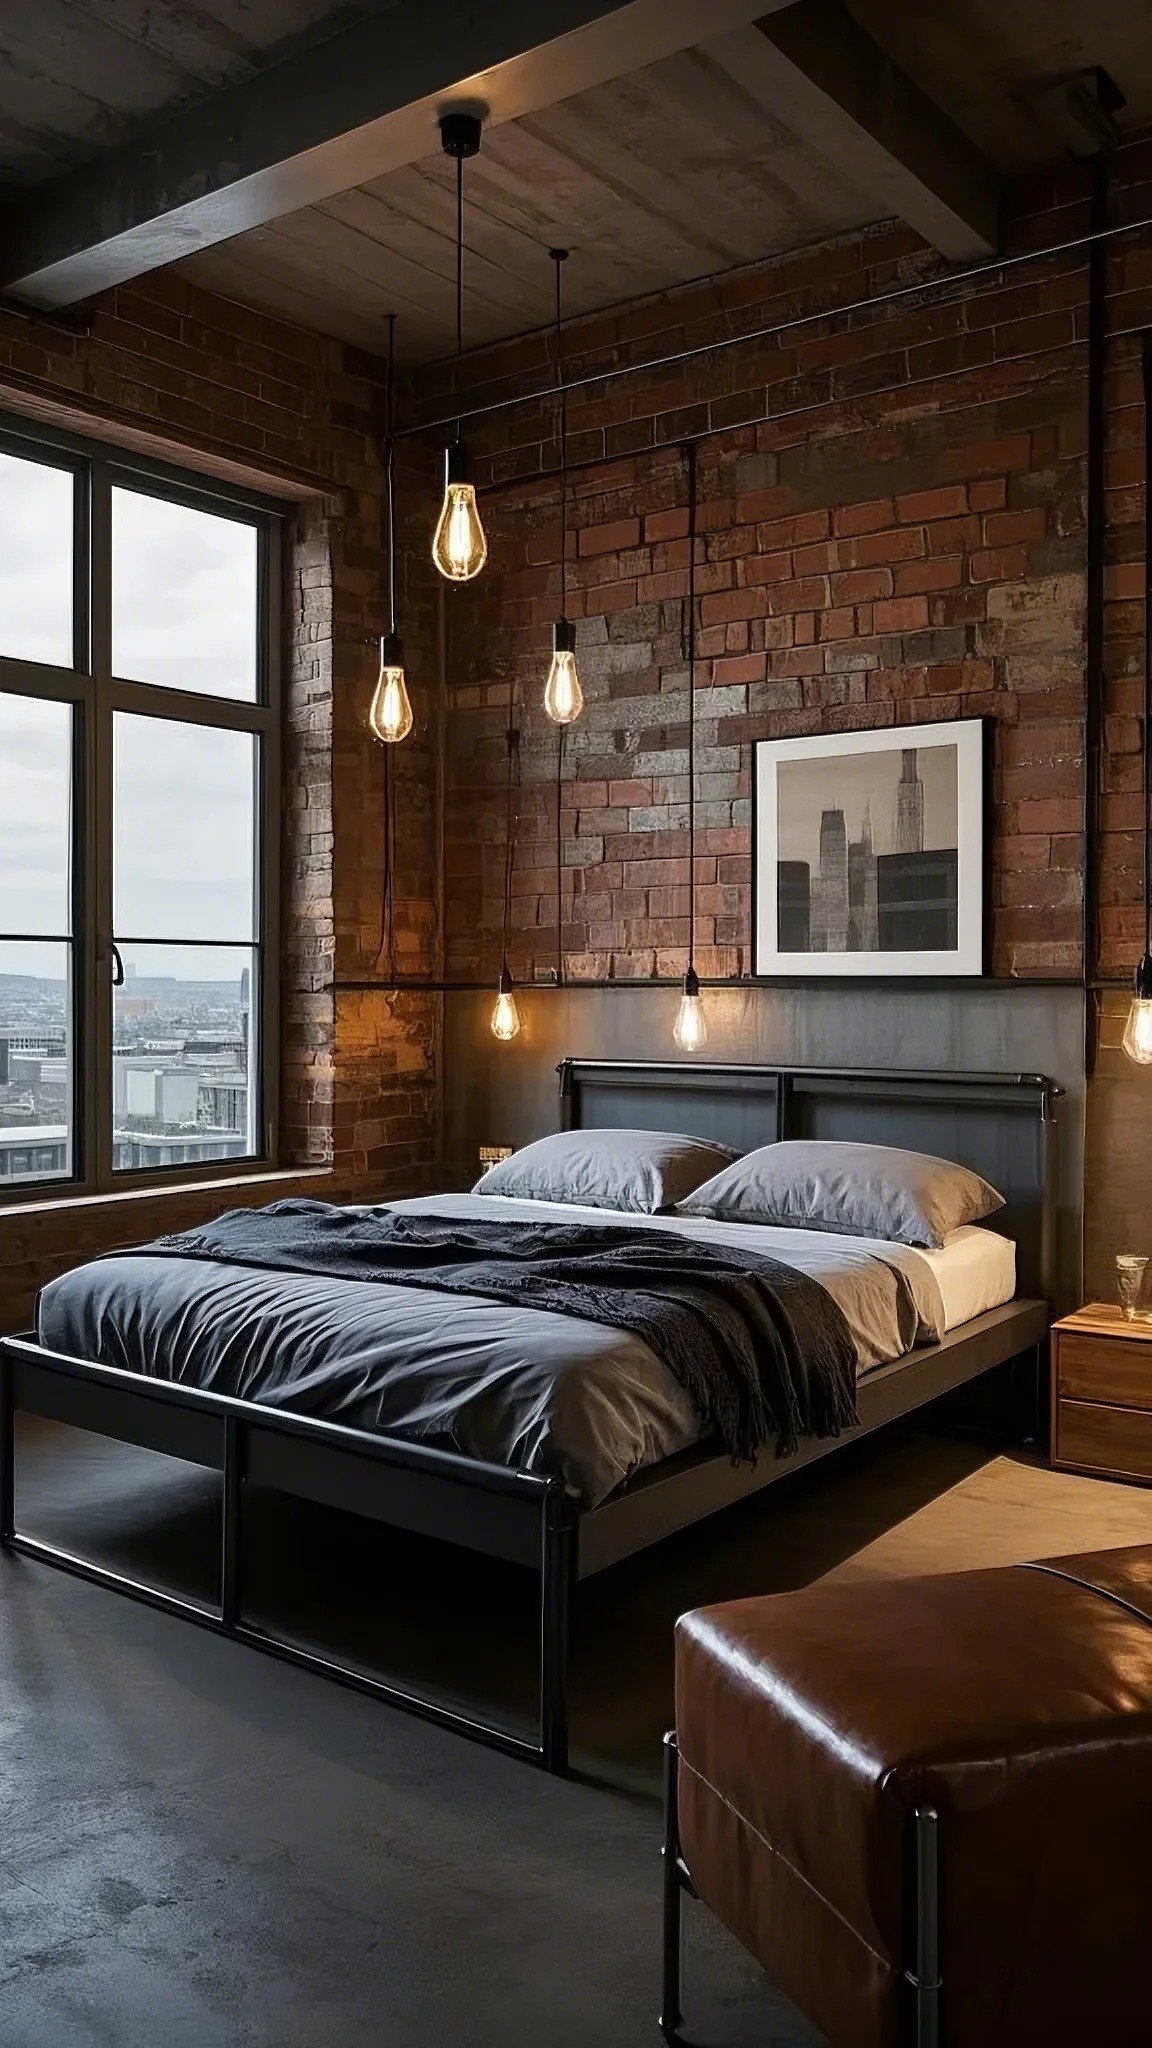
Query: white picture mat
x=967, y=736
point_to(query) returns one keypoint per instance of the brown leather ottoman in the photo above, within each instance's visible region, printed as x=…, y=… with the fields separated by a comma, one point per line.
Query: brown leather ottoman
x=825, y=1739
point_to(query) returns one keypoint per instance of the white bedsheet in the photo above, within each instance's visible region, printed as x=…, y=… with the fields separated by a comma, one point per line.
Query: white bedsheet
x=975, y=1270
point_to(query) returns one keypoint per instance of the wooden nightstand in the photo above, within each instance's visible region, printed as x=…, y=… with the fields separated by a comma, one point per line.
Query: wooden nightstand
x=1102, y=1394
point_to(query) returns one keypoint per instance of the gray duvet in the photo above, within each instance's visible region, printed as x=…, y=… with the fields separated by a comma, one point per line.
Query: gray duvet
x=511, y=1385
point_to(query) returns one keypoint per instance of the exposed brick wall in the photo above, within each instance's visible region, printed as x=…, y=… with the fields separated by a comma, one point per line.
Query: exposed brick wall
x=168, y=369
x=898, y=555
x=905, y=542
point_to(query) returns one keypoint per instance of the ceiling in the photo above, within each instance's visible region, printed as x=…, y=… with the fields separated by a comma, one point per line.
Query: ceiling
x=79, y=77
x=676, y=170
x=650, y=181
x=672, y=174
x=998, y=66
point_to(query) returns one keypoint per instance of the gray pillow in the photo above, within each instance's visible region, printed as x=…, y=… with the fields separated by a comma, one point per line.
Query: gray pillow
x=642, y=1171
x=860, y=1190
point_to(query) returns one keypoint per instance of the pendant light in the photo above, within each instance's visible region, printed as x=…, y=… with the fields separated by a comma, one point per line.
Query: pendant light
x=691, y=1028
x=1138, y=1031
x=505, y=1015
x=563, y=696
x=459, y=546
x=390, y=715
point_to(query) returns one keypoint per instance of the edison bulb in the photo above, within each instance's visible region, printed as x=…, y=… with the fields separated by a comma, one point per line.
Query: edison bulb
x=390, y=715
x=563, y=697
x=1138, y=1032
x=690, y=1031
x=459, y=545
x=505, y=1015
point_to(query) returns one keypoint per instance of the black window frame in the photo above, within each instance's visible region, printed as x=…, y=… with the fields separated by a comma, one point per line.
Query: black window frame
x=95, y=695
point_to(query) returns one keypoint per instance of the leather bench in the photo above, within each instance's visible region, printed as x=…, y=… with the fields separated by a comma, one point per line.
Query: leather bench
x=925, y=1805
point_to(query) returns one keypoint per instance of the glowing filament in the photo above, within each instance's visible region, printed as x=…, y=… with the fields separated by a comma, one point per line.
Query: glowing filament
x=691, y=1030
x=1138, y=1032
x=390, y=716
x=563, y=697
x=459, y=547
x=505, y=1016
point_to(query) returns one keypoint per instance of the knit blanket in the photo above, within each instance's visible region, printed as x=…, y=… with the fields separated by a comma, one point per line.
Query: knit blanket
x=763, y=1350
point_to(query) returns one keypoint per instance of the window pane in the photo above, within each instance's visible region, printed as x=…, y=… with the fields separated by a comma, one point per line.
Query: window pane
x=184, y=597
x=182, y=1056
x=184, y=830
x=35, y=815
x=36, y=517
x=35, y=1063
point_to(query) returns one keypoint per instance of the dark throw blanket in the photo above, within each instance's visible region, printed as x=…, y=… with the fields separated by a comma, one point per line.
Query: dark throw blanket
x=764, y=1351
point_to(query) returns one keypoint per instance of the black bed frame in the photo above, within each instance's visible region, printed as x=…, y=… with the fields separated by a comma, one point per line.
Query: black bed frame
x=1002, y=1125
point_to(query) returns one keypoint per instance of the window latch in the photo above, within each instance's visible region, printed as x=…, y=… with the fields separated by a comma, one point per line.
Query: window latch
x=117, y=967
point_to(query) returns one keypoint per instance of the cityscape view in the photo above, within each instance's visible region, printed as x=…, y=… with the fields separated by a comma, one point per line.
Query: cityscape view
x=891, y=888
x=180, y=1076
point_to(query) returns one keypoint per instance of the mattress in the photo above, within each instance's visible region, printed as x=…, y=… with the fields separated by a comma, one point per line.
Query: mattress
x=513, y=1386
x=975, y=1270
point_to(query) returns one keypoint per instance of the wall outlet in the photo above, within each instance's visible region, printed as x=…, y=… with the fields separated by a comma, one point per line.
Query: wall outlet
x=491, y=1155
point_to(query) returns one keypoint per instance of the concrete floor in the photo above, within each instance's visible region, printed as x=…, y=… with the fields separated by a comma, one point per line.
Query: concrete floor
x=202, y=1848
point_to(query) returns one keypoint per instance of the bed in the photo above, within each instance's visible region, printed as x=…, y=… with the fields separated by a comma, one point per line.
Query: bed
x=571, y=1446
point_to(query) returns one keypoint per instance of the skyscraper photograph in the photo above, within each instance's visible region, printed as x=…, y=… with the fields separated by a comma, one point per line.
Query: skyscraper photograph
x=866, y=857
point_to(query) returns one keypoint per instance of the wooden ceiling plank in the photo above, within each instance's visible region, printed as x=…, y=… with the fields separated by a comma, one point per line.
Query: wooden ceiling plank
x=529, y=181
x=624, y=153
x=284, y=297
x=425, y=242
x=360, y=103
x=82, y=57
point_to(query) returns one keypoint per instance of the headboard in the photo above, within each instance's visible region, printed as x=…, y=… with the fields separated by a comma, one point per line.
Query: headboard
x=1001, y=1125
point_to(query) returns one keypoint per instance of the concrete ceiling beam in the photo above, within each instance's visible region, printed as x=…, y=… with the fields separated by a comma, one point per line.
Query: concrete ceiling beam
x=350, y=110
x=814, y=64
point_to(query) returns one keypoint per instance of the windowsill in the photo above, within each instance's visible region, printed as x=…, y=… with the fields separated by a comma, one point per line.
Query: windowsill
x=112, y=1199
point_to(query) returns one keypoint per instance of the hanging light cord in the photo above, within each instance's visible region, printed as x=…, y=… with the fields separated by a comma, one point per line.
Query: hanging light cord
x=1146, y=365
x=386, y=945
x=459, y=273
x=559, y=257
x=390, y=468
x=690, y=648
x=513, y=759
x=1146, y=362
x=559, y=856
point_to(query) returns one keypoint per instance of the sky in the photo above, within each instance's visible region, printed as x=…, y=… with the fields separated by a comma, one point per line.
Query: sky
x=184, y=614
x=847, y=783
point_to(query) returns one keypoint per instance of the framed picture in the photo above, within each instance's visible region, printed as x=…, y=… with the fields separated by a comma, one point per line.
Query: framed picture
x=868, y=852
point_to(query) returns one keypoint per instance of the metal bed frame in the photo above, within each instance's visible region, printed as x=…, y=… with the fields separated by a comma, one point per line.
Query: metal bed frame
x=1000, y=1124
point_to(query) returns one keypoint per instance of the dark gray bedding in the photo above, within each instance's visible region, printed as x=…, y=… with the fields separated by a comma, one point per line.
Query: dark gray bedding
x=514, y=1385
x=762, y=1349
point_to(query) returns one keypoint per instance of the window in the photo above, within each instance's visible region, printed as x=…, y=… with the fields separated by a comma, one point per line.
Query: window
x=139, y=766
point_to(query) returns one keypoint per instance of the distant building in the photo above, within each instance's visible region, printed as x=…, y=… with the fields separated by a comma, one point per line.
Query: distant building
x=50, y=1043
x=159, y=1095
x=793, y=906
x=829, y=915
x=223, y=1101
x=33, y=1151
x=843, y=915
x=150, y=1149
x=909, y=805
x=863, y=911
x=917, y=901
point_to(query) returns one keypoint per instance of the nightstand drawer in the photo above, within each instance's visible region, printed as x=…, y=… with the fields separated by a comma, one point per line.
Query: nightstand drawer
x=1117, y=1440
x=1104, y=1369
